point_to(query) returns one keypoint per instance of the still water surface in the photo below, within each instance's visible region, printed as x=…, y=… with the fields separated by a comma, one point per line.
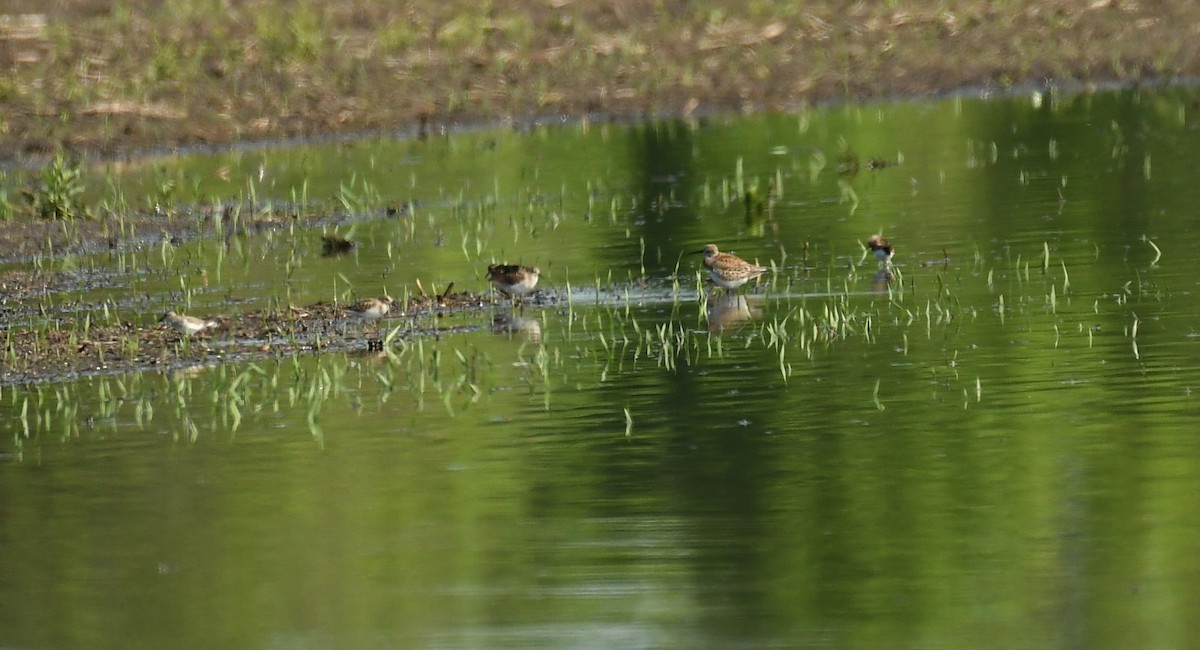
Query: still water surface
x=998, y=449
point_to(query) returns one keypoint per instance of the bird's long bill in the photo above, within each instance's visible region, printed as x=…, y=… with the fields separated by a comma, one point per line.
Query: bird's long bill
x=699, y=252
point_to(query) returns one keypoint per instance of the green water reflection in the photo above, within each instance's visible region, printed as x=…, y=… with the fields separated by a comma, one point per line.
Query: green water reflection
x=1000, y=452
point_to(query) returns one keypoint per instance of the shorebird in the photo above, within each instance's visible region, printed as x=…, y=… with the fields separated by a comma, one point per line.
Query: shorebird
x=187, y=324
x=881, y=248
x=513, y=279
x=729, y=271
x=369, y=309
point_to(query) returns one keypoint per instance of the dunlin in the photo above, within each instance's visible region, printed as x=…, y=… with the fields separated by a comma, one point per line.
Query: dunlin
x=881, y=248
x=369, y=309
x=514, y=279
x=729, y=271
x=187, y=324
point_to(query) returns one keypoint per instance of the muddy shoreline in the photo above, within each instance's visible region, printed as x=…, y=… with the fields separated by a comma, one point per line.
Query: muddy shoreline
x=67, y=351
x=88, y=77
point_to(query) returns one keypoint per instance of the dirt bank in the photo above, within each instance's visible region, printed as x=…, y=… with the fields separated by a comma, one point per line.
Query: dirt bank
x=91, y=75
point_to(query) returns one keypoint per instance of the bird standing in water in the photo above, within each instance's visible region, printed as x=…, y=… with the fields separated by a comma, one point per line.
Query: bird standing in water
x=726, y=270
x=881, y=248
x=513, y=279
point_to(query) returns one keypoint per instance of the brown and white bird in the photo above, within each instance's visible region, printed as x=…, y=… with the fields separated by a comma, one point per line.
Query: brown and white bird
x=881, y=248
x=728, y=271
x=514, y=279
x=369, y=309
x=187, y=324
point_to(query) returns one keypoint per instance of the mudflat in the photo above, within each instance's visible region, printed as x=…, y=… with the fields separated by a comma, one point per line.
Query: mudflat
x=104, y=77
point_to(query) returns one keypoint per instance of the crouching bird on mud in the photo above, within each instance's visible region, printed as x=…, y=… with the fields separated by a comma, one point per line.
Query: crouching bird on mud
x=187, y=324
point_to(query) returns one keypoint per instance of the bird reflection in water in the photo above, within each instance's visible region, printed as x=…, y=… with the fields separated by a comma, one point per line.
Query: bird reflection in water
x=506, y=322
x=729, y=310
x=881, y=283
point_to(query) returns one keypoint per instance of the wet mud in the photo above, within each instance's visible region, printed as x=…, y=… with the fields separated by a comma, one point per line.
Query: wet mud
x=64, y=351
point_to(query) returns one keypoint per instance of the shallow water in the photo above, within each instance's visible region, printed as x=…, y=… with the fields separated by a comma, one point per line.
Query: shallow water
x=997, y=448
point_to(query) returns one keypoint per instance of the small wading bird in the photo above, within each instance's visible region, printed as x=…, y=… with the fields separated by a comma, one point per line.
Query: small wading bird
x=513, y=279
x=187, y=324
x=881, y=248
x=369, y=309
x=729, y=271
